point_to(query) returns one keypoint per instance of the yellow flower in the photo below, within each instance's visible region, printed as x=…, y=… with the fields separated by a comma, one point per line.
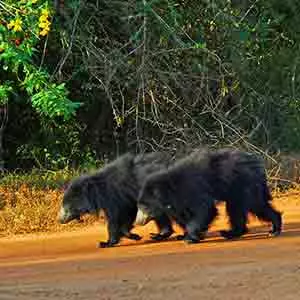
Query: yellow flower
x=119, y=120
x=11, y=24
x=44, y=32
x=44, y=24
x=45, y=12
x=46, y=29
x=34, y=1
x=16, y=25
x=43, y=18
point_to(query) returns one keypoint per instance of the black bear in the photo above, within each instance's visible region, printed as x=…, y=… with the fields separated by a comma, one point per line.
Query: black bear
x=189, y=189
x=115, y=189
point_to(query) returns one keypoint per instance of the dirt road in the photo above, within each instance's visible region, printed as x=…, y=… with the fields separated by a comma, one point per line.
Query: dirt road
x=69, y=266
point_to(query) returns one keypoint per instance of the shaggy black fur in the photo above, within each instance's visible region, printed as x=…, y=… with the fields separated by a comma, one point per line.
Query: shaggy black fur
x=115, y=189
x=188, y=190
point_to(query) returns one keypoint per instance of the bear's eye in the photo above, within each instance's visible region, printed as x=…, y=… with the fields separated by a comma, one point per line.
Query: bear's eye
x=169, y=206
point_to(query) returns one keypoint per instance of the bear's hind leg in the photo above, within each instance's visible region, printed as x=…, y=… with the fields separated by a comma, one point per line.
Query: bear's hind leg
x=126, y=228
x=132, y=236
x=238, y=221
x=269, y=214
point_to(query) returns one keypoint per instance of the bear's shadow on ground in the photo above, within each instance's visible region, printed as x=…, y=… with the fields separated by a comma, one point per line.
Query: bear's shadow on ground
x=255, y=233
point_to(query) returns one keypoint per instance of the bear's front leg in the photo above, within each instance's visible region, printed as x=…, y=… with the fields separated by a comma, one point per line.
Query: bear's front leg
x=194, y=232
x=114, y=236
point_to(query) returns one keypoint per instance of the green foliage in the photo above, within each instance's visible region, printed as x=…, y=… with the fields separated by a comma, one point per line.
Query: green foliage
x=5, y=89
x=49, y=149
x=22, y=25
x=53, y=102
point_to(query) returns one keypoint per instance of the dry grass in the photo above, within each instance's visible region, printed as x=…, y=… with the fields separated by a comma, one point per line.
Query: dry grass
x=29, y=209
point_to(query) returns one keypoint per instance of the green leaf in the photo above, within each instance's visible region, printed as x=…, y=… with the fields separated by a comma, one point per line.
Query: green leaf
x=244, y=35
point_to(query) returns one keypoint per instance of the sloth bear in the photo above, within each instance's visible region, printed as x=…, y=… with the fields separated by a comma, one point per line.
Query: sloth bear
x=115, y=189
x=188, y=191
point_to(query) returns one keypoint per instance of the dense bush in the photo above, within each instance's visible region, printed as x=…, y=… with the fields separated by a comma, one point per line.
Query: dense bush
x=151, y=75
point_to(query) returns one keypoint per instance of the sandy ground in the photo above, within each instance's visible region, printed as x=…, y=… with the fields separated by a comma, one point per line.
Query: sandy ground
x=69, y=266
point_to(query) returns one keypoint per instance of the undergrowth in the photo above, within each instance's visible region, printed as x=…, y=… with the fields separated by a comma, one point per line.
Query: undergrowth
x=39, y=179
x=30, y=202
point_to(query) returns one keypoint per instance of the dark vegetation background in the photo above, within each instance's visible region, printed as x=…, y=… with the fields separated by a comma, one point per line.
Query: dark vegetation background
x=164, y=75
